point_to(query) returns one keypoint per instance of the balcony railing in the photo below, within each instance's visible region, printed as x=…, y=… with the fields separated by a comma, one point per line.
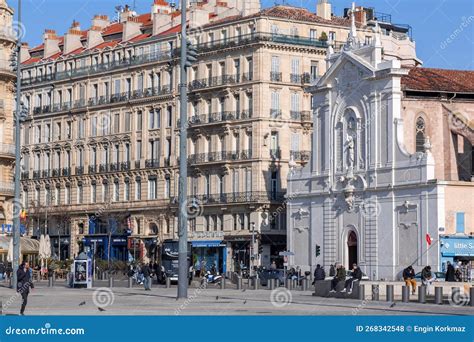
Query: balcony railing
x=219, y=117
x=215, y=81
x=152, y=163
x=7, y=150
x=236, y=197
x=300, y=155
x=99, y=68
x=275, y=113
x=25, y=175
x=275, y=153
x=7, y=188
x=66, y=171
x=222, y=156
x=276, y=76
x=104, y=100
x=79, y=170
x=56, y=172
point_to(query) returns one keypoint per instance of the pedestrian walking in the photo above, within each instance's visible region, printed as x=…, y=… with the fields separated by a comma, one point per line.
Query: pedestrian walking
x=146, y=271
x=2, y=270
x=24, y=284
x=340, y=276
x=319, y=274
x=356, y=276
x=427, y=278
x=409, y=278
x=450, y=273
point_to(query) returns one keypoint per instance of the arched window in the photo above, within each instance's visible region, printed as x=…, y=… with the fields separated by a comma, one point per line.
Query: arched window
x=420, y=134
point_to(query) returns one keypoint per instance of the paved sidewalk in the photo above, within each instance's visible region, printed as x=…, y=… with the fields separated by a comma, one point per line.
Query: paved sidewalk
x=212, y=301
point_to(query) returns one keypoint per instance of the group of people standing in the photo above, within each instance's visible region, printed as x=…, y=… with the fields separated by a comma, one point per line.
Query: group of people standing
x=143, y=274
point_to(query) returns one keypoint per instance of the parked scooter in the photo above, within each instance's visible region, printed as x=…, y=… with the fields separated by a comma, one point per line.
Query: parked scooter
x=210, y=278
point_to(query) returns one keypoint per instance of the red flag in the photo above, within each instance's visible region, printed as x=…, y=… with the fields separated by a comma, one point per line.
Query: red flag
x=428, y=239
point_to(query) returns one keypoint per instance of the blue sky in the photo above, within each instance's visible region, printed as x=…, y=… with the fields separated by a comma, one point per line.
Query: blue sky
x=443, y=29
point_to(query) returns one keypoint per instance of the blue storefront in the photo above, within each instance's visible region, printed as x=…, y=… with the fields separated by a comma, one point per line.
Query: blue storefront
x=456, y=248
x=208, y=254
x=98, y=247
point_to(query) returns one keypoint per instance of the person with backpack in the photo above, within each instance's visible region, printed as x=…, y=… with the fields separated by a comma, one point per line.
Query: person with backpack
x=319, y=274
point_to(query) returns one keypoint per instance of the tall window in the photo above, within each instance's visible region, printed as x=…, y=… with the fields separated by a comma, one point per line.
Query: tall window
x=420, y=134
x=152, y=189
x=138, y=190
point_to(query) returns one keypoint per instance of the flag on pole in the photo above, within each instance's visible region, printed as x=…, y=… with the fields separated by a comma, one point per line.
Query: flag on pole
x=428, y=239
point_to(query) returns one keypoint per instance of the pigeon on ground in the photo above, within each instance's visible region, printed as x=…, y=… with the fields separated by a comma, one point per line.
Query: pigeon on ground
x=243, y=290
x=100, y=309
x=392, y=305
x=245, y=301
x=217, y=297
x=82, y=303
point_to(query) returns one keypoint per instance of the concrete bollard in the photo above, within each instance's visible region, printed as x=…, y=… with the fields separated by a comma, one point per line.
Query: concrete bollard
x=361, y=292
x=50, y=281
x=438, y=295
x=239, y=283
x=471, y=296
x=389, y=294
x=405, y=294
x=295, y=284
x=168, y=282
x=289, y=284
x=304, y=286
x=111, y=281
x=255, y=283
x=375, y=292
x=272, y=283
x=223, y=284
x=422, y=294
x=130, y=283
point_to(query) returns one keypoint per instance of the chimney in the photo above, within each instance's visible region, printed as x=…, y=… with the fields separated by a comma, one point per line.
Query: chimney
x=323, y=9
x=160, y=6
x=161, y=22
x=131, y=28
x=198, y=17
x=101, y=21
x=360, y=15
x=125, y=14
x=51, y=43
x=72, y=39
x=250, y=7
x=94, y=36
x=25, y=52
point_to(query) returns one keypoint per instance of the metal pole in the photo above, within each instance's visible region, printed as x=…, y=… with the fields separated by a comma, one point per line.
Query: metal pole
x=183, y=164
x=16, y=208
x=252, y=250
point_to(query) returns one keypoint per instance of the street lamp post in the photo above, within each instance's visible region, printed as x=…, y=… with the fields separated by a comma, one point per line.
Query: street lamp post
x=16, y=208
x=252, y=250
x=183, y=165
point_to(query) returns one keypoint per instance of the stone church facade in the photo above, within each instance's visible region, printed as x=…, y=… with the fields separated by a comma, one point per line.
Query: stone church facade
x=391, y=165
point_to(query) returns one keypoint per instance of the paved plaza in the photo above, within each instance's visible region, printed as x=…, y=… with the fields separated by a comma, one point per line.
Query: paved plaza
x=61, y=300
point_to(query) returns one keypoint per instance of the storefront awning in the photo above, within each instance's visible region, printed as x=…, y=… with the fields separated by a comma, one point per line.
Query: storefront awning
x=207, y=244
x=27, y=245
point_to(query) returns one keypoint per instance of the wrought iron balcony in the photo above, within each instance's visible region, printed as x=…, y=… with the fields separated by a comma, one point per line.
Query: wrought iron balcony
x=248, y=76
x=36, y=174
x=125, y=166
x=45, y=174
x=79, y=170
x=306, y=115
x=276, y=76
x=300, y=155
x=222, y=156
x=138, y=165
x=211, y=82
x=152, y=163
x=56, y=172
x=25, y=175
x=275, y=113
x=92, y=169
x=275, y=153
x=219, y=117
x=66, y=171
x=100, y=68
x=236, y=198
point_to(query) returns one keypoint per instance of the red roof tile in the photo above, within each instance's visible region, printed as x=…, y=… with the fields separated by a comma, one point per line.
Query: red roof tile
x=113, y=29
x=103, y=45
x=174, y=29
x=439, y=80
x=32, y=60
x=139, y=38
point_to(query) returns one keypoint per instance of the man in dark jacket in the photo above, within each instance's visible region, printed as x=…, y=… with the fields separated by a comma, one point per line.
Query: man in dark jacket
x=23, y=285
x=409, y=278
x=146, y=271
x=319, y=273
x=356, y=275
x=340, y=276
x=450, y=273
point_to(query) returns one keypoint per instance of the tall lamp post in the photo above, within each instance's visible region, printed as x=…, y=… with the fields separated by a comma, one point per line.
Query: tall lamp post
x=16, y=208
x=183, y=165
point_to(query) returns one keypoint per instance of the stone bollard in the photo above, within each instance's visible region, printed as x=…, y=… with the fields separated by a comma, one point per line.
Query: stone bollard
x=295, y=284
x=438, y=295
x=168, y=282
x=111, y=281
x=50, y=281
x=304, y=286
x=375, y=292
x=422, y=294
x=405, y=294
x=471, y=296
x=239, y=283
x=389, y=294
x=273, y=283
x=223, y=283
x=130, y=283
x=361, y=292
x=255, y=283
x=289, y=284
